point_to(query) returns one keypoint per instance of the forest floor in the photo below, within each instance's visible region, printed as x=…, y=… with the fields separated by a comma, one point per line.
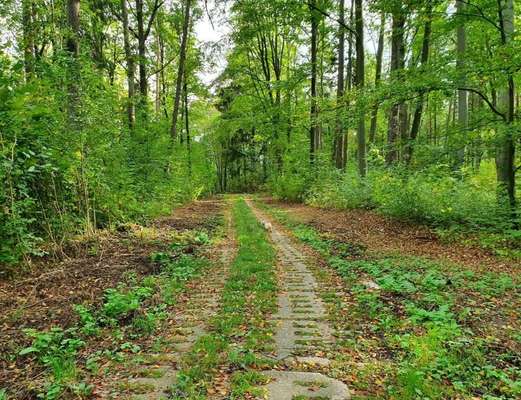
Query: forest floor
x=231, y=299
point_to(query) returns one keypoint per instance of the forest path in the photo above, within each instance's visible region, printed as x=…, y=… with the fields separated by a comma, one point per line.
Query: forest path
x=302, y=332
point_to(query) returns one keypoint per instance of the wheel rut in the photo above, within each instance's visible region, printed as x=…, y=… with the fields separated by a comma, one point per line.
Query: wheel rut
x=302, y=333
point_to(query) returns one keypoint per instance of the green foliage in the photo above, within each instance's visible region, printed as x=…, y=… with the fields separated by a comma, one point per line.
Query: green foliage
x=51, y=345
x=88, y=322
x=60, y=181
x=56, y=349
x=453, y=205
x=120, y=302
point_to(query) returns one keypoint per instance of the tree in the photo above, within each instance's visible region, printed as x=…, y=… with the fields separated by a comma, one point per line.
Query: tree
x=131, y=68
x=505, y=153
x=426, y=42
x=73, y=48
x=28, y=37
x=340, y=134
x=143, y=32
x=314, y=128
x=181, y=68
x=359, y=82
x=398, y=113
x=461, y=45
x=377, y=76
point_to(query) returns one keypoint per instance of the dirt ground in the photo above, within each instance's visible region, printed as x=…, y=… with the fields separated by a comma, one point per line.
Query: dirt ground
x=45, y=296
x=379, y=234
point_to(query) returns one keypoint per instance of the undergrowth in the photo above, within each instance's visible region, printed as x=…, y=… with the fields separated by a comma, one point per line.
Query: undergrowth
x=134, y=309
x=461, y=208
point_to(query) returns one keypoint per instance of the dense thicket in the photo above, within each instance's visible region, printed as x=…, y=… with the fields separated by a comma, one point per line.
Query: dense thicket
x=85, y=117
x=409, y=107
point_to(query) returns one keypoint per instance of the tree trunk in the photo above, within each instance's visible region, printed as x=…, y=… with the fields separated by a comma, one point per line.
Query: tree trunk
x=397, y=64
x=73, y=19
x=377, y=77
x=131, y=68
x=339, y=133
x=181, y=69
x=142, y=52
x=159, y=66
x=427, y=30
x=187, y=127
x=505, y=153
x=360, y=81
x=73, y=48
x=28, y=38
x=349, y=76
x=314, y=130
x=461, y=46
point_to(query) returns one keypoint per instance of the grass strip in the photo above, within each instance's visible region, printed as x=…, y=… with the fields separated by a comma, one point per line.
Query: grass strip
x=239, y=333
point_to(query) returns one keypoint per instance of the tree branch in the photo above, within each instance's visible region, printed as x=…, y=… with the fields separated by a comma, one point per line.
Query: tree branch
x=157, y=6
x=157, y=71
x=486, y=100
x=480, y=14
x=327, y=15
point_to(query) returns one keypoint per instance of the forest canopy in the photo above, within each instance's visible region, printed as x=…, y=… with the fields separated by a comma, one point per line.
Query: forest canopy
x=407, y=107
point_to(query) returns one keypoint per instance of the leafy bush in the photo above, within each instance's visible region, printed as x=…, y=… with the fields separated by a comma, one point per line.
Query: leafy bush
x=56, y=184
x=434, y=197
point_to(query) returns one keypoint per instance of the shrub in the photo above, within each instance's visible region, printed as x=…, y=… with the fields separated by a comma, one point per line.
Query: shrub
x=433, y=196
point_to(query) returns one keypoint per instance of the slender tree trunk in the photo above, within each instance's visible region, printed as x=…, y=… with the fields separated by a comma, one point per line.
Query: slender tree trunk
x=28, y=38
x=142, y=52
x=339, y=132
x=187, y=127
x=419, y=105
x=505, y=153
x=461, y=46
x=73, y=48
x=377, y=77
x=360, y=81
x=397, y=64
x=73, y=19
x=159, y=66
x=349, y=77
x=181, y=68
x=314, y=130
x=131, y=68
x=73, y=78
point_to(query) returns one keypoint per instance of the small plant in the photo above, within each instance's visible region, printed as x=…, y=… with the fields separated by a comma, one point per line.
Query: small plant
x=202, y=238
x=56, y=349
x=120, y=302
x=89, y=323
x=146, y=323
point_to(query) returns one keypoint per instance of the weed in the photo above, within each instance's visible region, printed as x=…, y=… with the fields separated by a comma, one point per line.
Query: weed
x=89, y=324
x=244, y=383
x=120, y=302
x=55, y=349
